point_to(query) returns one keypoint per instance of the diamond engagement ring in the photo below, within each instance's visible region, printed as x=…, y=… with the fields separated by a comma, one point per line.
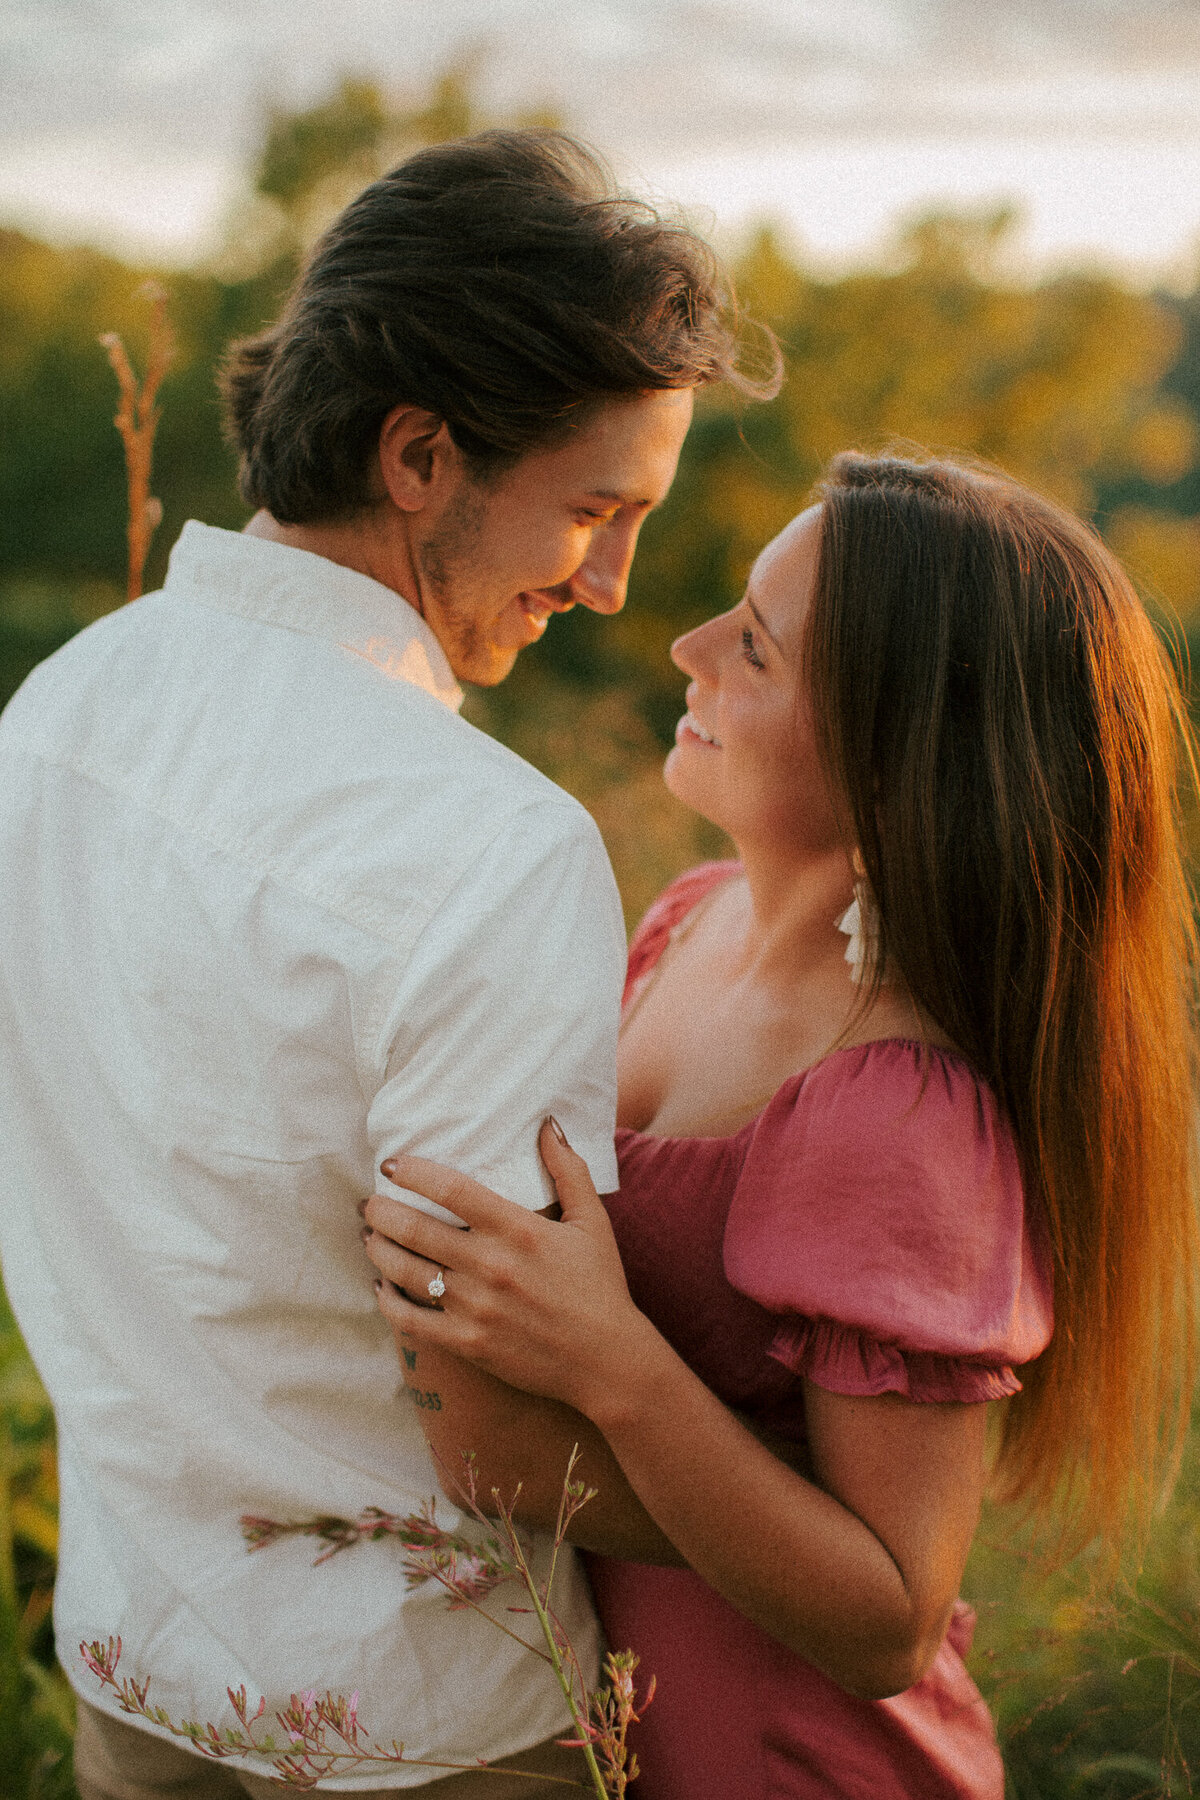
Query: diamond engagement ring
x=437, y=1287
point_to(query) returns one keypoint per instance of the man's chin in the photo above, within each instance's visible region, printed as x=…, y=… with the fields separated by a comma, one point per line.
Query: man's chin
x=485, y=658
x=484, y=667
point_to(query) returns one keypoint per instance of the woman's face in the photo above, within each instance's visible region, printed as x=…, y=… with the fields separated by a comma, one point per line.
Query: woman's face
x=745, y=754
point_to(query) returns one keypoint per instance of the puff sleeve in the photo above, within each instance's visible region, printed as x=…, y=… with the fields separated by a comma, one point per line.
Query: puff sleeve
x=880, y=1214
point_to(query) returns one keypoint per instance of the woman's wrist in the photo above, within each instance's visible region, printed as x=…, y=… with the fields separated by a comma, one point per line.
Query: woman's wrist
x=630, y=1384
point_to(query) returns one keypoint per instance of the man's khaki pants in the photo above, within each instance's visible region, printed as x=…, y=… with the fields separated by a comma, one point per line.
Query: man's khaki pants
x=116, y=1761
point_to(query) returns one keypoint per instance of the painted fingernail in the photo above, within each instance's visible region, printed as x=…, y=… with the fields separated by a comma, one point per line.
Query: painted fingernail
x=556, y=1128
x=377, y=1284
x=388, y=1168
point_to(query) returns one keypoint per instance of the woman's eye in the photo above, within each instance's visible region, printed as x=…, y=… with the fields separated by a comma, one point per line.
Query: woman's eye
x=749, y=652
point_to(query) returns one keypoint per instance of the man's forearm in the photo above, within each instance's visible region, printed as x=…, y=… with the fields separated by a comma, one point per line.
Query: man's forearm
x=523, y=1442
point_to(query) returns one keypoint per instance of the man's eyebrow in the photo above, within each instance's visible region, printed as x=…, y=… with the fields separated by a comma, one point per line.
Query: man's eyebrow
x=762, y=624
x=617, y=499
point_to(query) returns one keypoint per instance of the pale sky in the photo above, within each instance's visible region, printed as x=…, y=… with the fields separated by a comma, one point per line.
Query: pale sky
x=130, y=123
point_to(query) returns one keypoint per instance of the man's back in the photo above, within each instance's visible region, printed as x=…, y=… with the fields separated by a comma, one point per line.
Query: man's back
x=272, y=912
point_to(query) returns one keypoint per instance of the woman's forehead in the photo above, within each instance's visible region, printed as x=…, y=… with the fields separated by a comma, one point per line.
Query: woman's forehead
x=784, y=575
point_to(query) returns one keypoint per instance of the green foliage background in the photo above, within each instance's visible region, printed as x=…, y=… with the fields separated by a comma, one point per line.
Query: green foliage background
x=1079, y=385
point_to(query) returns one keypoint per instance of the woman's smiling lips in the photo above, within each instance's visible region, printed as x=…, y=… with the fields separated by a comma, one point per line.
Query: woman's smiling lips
x=690, y=727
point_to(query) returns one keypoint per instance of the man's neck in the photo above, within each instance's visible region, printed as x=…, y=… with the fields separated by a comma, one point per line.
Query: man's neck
x=362, y=542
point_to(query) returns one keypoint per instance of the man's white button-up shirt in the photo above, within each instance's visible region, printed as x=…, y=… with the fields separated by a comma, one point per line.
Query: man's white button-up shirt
x=271, y=912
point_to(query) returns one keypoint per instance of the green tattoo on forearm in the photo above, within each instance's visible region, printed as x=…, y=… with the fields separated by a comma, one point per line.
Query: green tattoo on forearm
x=425, y=1400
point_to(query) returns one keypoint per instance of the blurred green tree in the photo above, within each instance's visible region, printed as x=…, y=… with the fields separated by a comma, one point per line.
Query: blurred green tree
x=314, y=161
x=340, y=138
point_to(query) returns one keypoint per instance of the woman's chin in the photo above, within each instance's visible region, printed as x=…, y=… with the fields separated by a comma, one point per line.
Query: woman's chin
x=671, y=775
x=680, y=781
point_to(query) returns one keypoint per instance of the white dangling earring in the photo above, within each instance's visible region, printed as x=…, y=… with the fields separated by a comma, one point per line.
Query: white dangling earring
x=860, y=922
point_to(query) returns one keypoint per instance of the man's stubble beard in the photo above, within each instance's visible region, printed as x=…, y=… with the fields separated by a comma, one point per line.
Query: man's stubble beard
x=445, y=562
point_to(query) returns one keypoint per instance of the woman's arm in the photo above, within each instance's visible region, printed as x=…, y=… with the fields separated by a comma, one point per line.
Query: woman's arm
x=858, y=1574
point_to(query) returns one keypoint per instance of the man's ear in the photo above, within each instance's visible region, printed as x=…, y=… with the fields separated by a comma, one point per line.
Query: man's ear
x=416, y=452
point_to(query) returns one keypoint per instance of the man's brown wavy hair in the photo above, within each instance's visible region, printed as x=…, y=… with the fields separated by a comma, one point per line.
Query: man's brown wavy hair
x=501, y=282
x=1008, y=733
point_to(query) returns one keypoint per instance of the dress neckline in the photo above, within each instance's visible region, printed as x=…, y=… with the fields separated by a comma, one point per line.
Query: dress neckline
x=894, y=1042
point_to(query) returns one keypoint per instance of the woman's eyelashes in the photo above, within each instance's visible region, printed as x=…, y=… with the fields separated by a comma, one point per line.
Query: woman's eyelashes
x=748, y=651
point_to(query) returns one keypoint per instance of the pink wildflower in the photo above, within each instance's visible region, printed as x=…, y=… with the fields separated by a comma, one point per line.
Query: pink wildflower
x=102, y=1660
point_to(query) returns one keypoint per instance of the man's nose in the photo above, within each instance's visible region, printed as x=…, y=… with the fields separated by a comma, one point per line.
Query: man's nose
x=601, y=580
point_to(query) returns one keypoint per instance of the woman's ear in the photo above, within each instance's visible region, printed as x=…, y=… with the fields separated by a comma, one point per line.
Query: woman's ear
x=416, y=452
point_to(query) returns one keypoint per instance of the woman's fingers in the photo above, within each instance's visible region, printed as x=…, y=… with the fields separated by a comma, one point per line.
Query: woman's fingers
x=443, y=1326
x=570, y=1174
x=537, y=1304
x=492, y=1221
x=416, y=1231
x=401, y=1267
x=469, y=1200
x=429, y=1323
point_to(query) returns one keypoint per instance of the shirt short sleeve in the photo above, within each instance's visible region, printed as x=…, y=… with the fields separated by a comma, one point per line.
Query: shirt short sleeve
x=508, y=1011
x=880, y=1213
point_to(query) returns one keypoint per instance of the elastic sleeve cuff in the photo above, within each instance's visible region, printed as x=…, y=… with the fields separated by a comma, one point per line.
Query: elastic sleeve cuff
x=846, y=1361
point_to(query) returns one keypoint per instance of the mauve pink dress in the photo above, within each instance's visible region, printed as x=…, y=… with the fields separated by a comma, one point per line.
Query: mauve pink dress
x=865, y=1232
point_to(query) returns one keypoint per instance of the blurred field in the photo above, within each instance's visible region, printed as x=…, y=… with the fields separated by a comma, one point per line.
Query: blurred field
x=1096, y=1691
x=36, y=1707
x=1086, y=389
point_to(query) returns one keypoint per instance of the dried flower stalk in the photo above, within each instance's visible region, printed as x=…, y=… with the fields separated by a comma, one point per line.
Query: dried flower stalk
x=137, y=420
x=324, y=1737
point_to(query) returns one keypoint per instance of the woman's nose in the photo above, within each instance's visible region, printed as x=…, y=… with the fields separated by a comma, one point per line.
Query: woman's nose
x=681, y=653
x=694, y=651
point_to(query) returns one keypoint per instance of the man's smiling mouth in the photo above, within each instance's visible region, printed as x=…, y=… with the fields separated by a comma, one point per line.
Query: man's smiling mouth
x=536, y=608
x=539, y=603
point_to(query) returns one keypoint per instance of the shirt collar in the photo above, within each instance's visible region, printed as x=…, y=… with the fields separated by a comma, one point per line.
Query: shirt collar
x=298, y=591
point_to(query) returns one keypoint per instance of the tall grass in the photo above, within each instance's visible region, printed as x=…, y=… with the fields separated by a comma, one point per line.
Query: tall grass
x=1096, y=1692
x=37, y=1709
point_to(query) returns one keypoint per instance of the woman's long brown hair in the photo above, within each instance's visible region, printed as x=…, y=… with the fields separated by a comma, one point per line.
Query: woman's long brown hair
x=1009, y=735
